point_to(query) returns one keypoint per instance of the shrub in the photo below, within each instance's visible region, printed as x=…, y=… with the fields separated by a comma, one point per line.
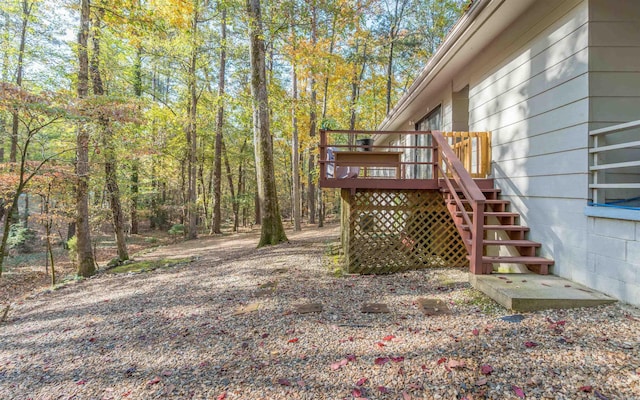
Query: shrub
x=72, y=245
x=20, y=238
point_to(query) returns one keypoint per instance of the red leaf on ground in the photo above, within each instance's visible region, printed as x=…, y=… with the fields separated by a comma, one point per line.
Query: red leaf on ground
x=383, y=389
x=265, y=335
x=443, y=359
x=361, y=381
x=406, y=396
x=381, y=360
x=294, y=340
x=154, y=381
x=486, y=369
x=380, y=344
x=222, y=396
x=455, y=364
x=167, y=373
x=284, y=382
x=397, y=359
x=339, y=364
x=400, y=371
x=356, y=392
x=388, y=338
x=518, y=391
x=81, y=382
x=476, y=332
x=530, y=344
x=586, y=389
x=351, y=357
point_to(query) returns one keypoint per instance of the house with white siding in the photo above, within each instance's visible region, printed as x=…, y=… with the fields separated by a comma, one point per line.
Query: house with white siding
x=557, y=84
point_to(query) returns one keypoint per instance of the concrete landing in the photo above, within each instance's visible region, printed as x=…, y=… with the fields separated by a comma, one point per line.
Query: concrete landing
x=531, y=292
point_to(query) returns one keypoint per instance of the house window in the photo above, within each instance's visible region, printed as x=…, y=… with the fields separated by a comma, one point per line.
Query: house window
x=431, y=122
x=615, y=172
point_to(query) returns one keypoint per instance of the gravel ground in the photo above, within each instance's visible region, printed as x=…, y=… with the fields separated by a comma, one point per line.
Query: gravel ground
x=224, y=327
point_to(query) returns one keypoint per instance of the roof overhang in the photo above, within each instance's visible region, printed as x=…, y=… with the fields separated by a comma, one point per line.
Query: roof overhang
x=475, y=30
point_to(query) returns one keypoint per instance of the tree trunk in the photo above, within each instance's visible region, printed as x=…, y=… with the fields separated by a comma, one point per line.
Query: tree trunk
x=272, y=231
x=135, y=164
x=295, y=144
x=110, y=160
x=85, y=262
x=234, y=200
x=217, y=168
x=311, y=185
x=191, y=133
x=26, y=12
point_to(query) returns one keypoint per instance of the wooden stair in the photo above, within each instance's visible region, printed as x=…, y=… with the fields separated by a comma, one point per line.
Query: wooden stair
x=508, y=222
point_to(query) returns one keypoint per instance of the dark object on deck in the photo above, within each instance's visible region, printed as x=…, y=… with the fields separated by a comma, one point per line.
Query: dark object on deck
x=364, y=144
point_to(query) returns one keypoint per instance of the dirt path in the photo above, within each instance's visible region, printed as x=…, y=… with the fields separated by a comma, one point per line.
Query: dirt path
x=225, y=326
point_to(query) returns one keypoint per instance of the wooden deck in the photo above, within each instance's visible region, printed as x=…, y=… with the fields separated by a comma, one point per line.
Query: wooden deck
x=382, y=174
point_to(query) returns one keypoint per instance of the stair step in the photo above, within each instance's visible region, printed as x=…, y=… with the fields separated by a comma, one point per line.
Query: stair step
x=500, y=228
x=517, y=260
x=508, y=242
x=493, y=214
x=492, y=190
x=488, y=201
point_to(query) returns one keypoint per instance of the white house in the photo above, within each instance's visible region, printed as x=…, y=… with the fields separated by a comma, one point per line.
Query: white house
x=544, y=76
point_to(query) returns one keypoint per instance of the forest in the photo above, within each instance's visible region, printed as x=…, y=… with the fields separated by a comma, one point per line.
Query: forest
x=189, y=117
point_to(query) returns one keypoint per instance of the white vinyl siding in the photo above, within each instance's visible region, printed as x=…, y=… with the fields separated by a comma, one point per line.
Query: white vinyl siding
x=532, y=92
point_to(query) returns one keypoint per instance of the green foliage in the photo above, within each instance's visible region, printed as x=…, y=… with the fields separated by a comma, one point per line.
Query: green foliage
x=20, y=238
x=177, y=229
x=72, y=245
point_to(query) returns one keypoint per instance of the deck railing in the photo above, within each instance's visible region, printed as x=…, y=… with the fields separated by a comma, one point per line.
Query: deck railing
x=473, y=149
x=382, y=159
x=457, y=179
x=353, y=159
x=615, y=165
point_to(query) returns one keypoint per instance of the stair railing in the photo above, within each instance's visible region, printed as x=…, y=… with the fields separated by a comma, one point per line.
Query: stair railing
x=453, y=167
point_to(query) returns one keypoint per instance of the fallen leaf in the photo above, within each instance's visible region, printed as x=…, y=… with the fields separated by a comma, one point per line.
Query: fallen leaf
x=380, y=344
x=586, y=389
x=443, y=359
x=154, y=381
x=356, y=392
x=383, y=389
x=339, y=364
x=222, y=396
x=388, y=338
x=518, y=391
x=284, y=382
x=481, y=382
x=166, y=373
x=81, y=382
x=455, y=364
x=397, y=359
x=475, y=332
x=351, y=357
x=406, y=396
x=381, y=360
x=486, y=369
x=294, y=340
x=361, y=381
x=530, y=344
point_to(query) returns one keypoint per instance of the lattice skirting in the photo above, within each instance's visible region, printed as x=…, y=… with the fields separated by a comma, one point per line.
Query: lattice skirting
x=386, y=231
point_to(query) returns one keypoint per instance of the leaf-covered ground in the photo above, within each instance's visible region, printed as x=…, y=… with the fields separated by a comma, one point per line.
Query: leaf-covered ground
x=224, y=327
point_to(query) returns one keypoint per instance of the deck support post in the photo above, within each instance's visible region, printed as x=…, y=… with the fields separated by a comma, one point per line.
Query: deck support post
x=477, y=237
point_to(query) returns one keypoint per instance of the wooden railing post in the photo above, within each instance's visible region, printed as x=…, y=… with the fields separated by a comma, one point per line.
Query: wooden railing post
x=472, y=193
x=323, y=154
